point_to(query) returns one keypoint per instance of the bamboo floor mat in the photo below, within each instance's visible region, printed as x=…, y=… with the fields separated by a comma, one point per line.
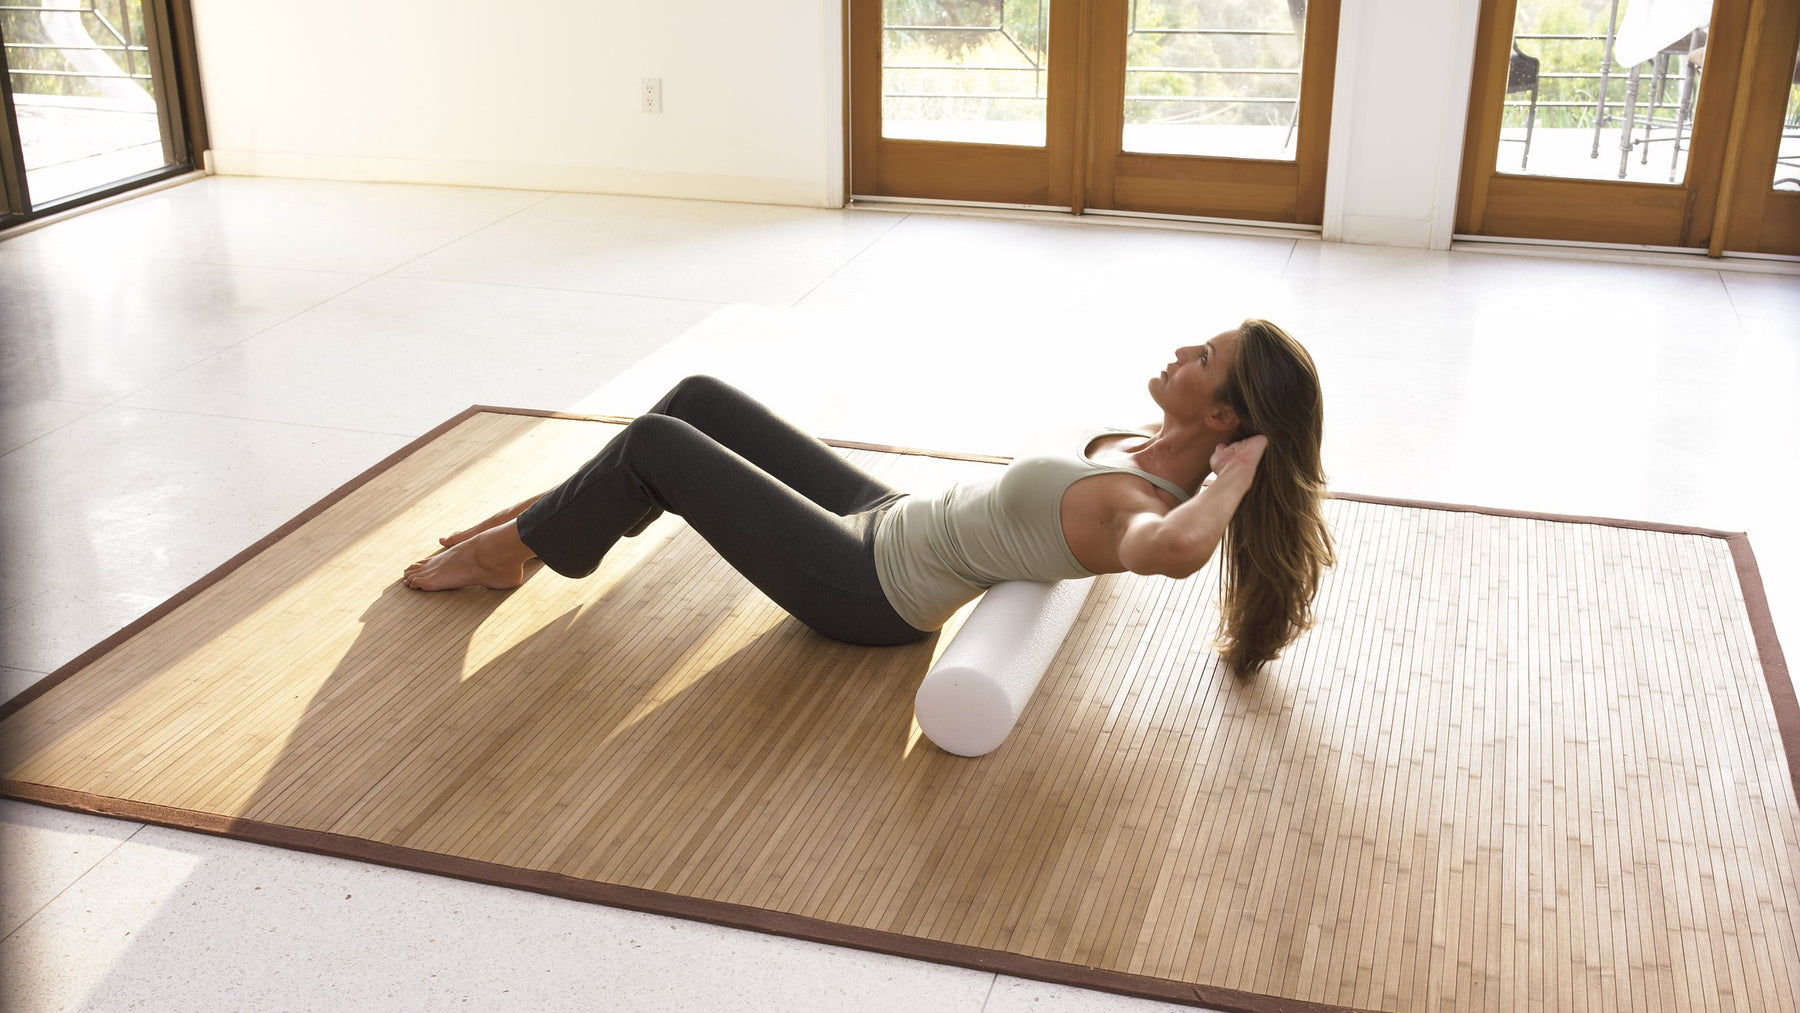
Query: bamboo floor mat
x=1522, y=762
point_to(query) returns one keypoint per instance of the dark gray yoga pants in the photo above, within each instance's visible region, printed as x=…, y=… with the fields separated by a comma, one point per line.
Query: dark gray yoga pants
x=784, y=509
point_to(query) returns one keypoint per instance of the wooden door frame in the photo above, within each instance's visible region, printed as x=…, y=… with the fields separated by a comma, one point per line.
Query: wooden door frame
x=15, y=203
x=1274, y=190
x=1082, y=165
x=1493, y=203
x=976, y=173
x=1754, y=217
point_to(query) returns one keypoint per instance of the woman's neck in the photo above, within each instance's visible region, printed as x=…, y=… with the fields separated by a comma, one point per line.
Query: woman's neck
x=1180, y=452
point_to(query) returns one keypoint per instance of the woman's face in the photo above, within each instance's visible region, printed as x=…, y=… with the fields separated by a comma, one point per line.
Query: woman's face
x=1190, y=384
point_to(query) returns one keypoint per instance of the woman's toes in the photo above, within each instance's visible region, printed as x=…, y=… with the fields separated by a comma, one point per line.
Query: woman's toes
x=414, y=573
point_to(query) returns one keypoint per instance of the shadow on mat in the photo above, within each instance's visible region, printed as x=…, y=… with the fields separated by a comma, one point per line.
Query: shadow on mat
x=464, y=723
x=706, y=745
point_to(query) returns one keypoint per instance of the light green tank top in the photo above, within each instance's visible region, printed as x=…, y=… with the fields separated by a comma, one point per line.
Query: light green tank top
x=935, y=553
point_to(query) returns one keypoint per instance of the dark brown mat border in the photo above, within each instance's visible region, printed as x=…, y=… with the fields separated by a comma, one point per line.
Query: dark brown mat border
x=1775, y=671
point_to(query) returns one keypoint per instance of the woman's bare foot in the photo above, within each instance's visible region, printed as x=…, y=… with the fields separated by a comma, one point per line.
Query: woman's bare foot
x=493, y=557
x=510, y=513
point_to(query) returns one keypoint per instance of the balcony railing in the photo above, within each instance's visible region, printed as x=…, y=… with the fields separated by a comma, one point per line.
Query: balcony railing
x=1586, y=106
x=119, y=33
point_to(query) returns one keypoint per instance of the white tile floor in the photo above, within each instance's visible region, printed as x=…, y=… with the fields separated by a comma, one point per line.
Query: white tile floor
x=187, y=370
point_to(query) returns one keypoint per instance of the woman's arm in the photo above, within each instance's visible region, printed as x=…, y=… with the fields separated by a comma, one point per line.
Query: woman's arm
x=1178, y=543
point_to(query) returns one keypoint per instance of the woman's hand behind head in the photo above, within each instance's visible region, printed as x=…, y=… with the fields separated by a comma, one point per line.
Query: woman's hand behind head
x=1244, y=453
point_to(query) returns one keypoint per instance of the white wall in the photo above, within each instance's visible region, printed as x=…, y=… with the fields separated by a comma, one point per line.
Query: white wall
x=540, y=95
x=545, y=96
x=1399, y=104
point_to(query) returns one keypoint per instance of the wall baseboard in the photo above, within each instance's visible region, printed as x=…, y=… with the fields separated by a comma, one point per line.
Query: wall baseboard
x=1379, y=230
x=511, y=176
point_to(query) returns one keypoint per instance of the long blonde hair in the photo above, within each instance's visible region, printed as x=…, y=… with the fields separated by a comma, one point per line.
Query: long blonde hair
x=1277, y=545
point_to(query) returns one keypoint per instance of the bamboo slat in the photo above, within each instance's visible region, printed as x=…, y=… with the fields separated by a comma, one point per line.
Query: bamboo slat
x=1520, y=762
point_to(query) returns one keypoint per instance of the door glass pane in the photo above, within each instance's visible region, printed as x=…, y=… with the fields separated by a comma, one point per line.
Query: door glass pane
x=1603, y=89
x=1210, y=78
x=965, y=70
x=1787, y=162
x=82, y=91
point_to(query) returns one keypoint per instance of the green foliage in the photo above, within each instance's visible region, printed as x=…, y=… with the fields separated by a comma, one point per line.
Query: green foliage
x=954, y=31
x=965, y=59
x=1176, y=48
x=111, y=23
x=1573, y=101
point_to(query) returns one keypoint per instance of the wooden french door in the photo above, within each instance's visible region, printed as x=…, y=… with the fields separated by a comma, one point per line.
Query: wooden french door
x=1658, y=123
x=1155, y=106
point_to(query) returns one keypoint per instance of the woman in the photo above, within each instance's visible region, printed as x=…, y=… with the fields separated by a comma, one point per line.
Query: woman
x=861, y=562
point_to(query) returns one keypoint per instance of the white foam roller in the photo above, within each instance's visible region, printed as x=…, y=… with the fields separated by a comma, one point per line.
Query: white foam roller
x=973, y=696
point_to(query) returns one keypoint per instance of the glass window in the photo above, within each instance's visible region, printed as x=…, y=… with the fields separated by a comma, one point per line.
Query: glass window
x=1787, y=161
x=83, y=96
x=965, y=70
x=1603, y=89
x=1205, y=78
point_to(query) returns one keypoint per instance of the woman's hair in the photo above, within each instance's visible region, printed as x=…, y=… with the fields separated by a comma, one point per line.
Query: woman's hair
x=1276, y=545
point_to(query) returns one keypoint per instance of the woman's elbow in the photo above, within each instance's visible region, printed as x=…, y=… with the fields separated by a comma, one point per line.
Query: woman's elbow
x=1191, y=562
x=1180, y=556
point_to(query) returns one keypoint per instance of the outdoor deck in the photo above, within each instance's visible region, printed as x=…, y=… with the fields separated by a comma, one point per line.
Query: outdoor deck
x=73, y=145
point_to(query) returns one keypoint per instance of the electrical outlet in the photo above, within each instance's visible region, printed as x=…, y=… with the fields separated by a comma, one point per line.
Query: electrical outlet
x=650, y=95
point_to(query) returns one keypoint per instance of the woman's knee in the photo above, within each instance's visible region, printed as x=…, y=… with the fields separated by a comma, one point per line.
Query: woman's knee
x=657, y=431
x=699, y=389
